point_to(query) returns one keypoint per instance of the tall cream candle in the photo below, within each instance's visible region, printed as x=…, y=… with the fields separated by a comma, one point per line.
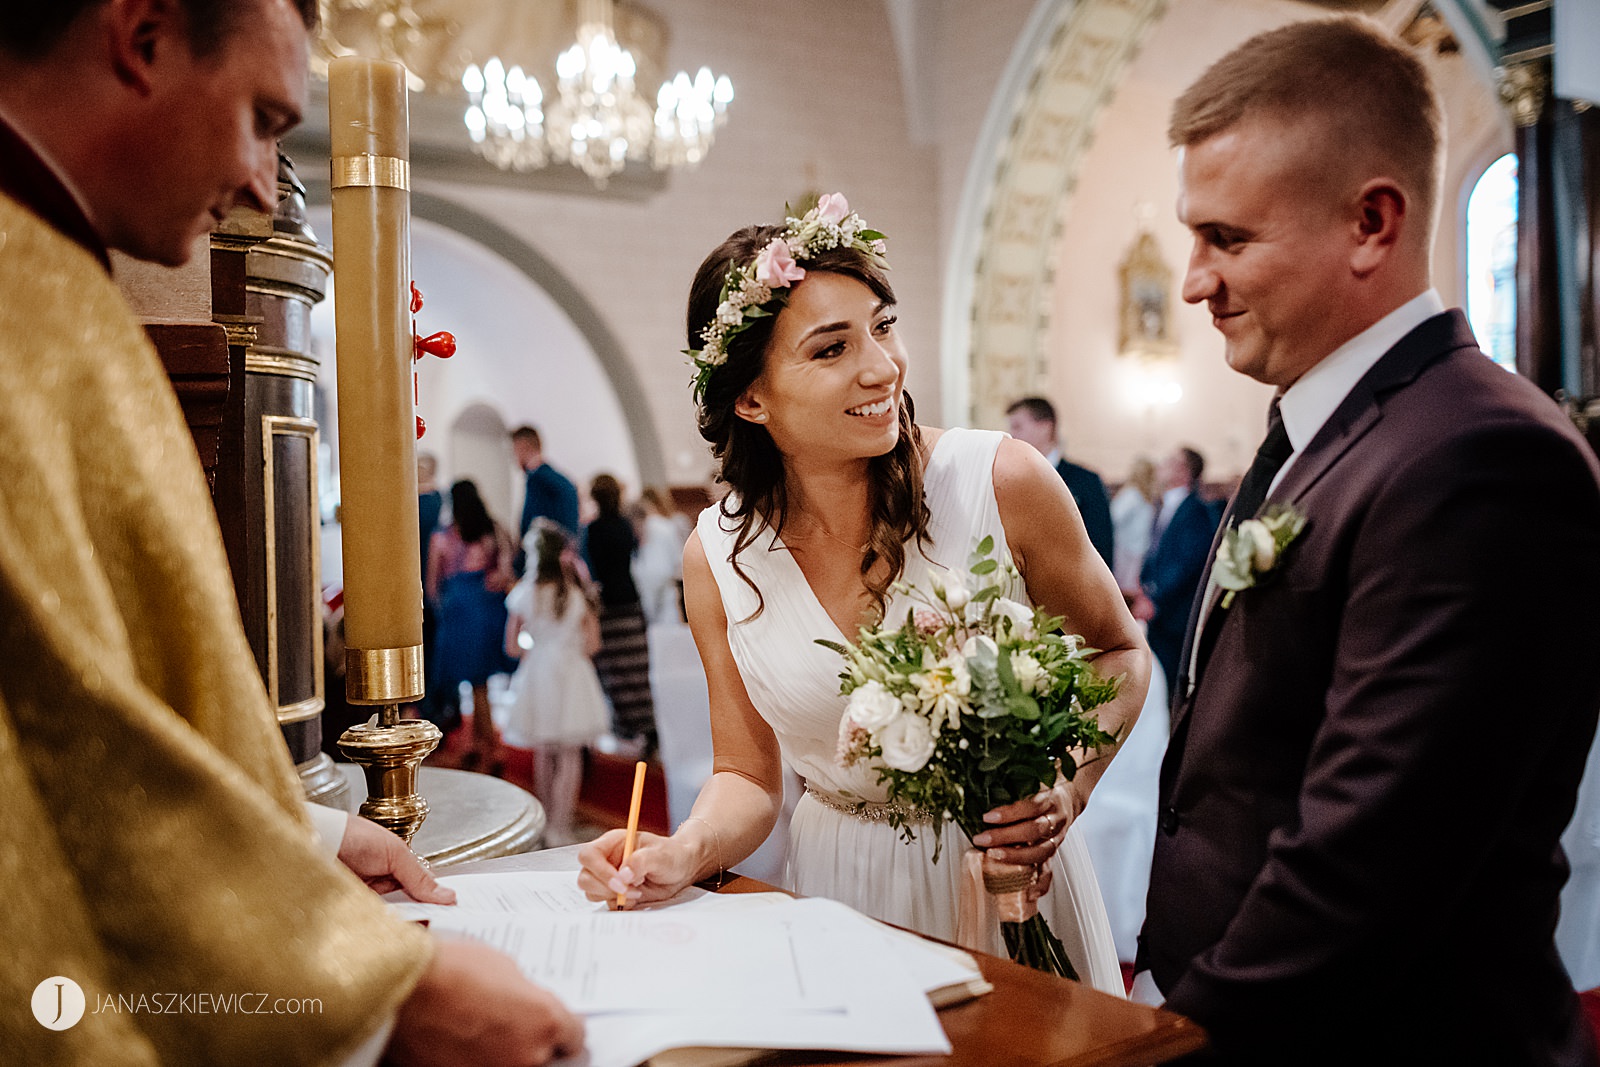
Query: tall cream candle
x=370, y=134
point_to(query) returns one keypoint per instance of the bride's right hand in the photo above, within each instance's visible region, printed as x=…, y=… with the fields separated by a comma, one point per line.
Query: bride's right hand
x=659, y=868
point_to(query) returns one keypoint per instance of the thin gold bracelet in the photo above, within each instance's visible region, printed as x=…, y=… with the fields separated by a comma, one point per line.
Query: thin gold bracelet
x=716, y=836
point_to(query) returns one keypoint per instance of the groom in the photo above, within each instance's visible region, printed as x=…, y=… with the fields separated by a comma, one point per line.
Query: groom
x=1377, y=744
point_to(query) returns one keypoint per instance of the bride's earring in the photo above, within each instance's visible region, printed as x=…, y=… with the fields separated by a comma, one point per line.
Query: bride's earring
x=761, y=417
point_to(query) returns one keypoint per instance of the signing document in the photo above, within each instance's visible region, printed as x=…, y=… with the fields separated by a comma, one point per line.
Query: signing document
x=756, y=971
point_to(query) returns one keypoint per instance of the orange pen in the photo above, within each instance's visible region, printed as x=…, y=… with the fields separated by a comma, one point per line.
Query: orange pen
x=633, y=823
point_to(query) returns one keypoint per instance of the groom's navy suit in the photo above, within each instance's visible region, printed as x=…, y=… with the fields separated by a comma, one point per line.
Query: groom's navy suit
x=1357, y=856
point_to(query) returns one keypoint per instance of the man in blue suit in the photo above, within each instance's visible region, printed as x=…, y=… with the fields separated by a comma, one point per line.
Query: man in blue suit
x=1033, y=420
x=549, y=493
x=1180, y=544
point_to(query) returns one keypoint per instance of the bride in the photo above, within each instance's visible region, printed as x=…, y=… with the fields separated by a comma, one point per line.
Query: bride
x=836, y=494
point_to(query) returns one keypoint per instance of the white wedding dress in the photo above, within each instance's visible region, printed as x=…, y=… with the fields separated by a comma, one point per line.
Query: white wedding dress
x=794, y=684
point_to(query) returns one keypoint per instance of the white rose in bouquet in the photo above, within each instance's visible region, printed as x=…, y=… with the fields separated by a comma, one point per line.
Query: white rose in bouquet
x=1021, y=616
x=872, y=706
x=1029, y=675
x=907, y=743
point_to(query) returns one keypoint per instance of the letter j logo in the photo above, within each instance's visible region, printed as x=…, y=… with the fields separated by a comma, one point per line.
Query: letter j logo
x=58, y=1003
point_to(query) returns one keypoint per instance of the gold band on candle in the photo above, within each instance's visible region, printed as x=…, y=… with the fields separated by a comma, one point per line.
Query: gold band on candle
x=383, y=675
x=388, y=172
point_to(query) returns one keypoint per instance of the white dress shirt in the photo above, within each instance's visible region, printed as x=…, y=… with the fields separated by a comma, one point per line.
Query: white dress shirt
x=1310, y=402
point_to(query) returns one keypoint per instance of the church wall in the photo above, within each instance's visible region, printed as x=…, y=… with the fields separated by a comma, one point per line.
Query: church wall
x=1107, y=417
x=819, y=107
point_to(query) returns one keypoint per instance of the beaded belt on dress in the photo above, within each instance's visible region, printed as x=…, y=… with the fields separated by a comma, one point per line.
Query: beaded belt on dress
x=867, y=810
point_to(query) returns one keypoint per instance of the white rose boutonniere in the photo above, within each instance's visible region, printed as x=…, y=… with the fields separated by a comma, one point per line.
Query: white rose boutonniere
x=1254, y=548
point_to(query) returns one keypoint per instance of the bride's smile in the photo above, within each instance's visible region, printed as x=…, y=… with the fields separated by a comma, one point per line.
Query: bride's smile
x=834, y=375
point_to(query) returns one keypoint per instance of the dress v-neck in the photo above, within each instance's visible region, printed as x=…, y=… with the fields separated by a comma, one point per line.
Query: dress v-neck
x=778, y=545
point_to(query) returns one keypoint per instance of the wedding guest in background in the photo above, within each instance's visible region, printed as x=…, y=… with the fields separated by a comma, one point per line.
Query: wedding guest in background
x=1133, y=513
x=1033, y=420
x=1378, y=740
x=469, y=574
x=624, y=659
x=441, y=708
x=557, y=707
x=658, y=566
x=1180, y=540
x=547, y=493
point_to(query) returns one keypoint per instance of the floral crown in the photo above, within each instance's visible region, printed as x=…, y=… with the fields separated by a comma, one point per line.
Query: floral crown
x=756, y=290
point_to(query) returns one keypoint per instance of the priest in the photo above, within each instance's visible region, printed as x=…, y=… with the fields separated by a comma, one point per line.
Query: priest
x=154, y=845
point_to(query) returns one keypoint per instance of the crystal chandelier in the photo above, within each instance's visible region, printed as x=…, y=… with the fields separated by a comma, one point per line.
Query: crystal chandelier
x=596, y=121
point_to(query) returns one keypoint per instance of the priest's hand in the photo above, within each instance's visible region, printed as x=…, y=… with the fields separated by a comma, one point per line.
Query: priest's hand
x=473, y=1007
x=660, y=867
x=383, y=861
x=1030, y=831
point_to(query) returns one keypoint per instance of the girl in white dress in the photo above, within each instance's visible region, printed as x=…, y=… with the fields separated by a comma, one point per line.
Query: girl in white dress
x=836, y=494
x=557, y=706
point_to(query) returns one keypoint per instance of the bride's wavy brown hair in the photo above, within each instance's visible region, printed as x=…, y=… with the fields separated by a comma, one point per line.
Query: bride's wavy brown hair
x=748, y=461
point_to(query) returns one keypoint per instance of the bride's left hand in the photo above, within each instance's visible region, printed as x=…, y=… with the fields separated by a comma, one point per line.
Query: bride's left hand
x=1030, y=831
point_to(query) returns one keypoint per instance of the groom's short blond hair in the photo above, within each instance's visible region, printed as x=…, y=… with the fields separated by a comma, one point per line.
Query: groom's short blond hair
x=1368, y=98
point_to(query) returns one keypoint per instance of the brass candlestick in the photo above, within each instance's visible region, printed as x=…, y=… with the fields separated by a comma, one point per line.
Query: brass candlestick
x=389, y=749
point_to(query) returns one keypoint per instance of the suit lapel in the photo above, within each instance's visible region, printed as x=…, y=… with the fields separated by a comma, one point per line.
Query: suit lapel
x=1350, y=421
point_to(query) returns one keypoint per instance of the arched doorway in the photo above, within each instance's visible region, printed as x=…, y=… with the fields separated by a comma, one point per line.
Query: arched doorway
x=524, y=357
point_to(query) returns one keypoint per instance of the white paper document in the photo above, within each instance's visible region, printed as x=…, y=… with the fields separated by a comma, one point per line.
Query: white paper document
x=521, y=893
x=707, y=970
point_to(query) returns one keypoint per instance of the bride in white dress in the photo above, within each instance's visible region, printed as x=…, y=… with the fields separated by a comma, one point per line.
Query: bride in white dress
x=837, y=494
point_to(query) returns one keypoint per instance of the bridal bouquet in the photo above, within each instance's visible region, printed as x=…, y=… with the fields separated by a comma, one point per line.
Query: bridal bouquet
x=974, y=701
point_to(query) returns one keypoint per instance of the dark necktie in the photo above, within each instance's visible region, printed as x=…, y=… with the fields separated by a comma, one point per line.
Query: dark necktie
x=1270, y=458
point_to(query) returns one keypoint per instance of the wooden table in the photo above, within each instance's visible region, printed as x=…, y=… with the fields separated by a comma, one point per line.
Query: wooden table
x=1031, y=1019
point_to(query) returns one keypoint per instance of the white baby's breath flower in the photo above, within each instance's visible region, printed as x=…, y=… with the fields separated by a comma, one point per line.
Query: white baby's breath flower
x=907, y=743
x=872, y=706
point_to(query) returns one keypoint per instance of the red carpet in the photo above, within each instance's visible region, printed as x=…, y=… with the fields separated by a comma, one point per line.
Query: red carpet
x=607, y=781
x=1591, y=1008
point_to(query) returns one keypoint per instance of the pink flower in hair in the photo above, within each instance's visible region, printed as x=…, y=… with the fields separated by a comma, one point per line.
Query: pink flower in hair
x=832, y=207
x=775, y=267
